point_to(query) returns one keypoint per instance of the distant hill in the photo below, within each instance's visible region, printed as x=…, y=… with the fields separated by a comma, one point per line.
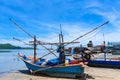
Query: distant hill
x=9, y=46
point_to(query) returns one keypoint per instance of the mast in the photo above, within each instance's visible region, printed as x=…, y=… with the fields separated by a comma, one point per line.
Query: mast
x=104, y=51
x=104, y=47
x=35, y=45
x=61, y=37
x=61, y=47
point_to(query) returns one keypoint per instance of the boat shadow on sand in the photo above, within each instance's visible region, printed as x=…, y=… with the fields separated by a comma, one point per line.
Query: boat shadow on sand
x=44, y=75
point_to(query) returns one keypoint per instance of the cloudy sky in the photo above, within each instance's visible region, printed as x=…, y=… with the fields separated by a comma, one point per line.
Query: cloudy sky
x=43, y=18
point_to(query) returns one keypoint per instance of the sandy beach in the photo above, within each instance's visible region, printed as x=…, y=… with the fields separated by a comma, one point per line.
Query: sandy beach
x=93, y=74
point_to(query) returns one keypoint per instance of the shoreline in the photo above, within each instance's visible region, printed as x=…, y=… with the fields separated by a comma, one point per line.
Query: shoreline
x=93, y=73
x=2, y=74
x=11, y=71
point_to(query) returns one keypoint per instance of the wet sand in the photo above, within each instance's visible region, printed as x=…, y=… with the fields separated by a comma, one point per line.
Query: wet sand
x=93, y=74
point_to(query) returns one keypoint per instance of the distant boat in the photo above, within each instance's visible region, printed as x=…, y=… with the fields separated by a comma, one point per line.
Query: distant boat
x=105, y=62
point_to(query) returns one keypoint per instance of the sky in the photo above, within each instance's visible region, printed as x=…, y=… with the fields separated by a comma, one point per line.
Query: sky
x=43, y=18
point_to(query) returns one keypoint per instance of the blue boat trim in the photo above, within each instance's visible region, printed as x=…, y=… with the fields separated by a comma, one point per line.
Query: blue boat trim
x=101, y=63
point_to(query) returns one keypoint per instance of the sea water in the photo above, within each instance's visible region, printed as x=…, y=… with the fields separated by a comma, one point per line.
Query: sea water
x=9, y=60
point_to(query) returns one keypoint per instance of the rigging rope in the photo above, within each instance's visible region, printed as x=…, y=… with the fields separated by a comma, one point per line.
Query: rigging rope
x=21, y=28
x=89, y=32
x=30, y=35
x=91, y=36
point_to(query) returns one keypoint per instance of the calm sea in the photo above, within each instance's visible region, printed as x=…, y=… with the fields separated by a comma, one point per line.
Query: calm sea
x=9, y=60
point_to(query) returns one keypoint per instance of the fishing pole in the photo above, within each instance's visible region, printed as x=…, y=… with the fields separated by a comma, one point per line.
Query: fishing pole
x=29, y=35
x=21, y=28
x=89, y=32
x=19, y=40
x=86, y=39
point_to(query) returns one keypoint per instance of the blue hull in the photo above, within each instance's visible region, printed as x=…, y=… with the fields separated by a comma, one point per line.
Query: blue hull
x=101, y=63
x=58, y=71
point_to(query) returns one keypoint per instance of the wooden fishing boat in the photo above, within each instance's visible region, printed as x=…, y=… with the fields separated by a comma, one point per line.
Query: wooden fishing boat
x=71, y=70
x=58, y=67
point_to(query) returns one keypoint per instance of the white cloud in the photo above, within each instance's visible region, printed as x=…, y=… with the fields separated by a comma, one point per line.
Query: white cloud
x=111, y=13
x=93, y=4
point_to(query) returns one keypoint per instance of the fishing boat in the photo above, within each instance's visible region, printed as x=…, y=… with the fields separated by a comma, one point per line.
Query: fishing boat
x=55, y=69
x=102, y=63
x=105, y=62
x=58, y=67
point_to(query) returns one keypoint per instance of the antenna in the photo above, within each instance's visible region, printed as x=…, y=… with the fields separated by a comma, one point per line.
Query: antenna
x=60, y=29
